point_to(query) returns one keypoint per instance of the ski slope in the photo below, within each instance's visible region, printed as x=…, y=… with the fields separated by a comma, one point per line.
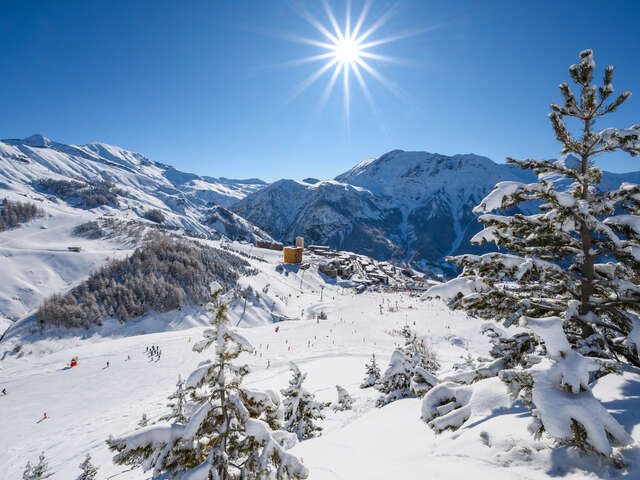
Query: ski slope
x=87, y=403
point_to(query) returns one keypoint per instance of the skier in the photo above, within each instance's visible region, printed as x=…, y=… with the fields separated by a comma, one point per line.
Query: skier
x=107, y=364
x=4, y=391
x=44, y=417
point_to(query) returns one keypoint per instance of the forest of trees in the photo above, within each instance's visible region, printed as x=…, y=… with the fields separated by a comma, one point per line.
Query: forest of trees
x=82, y=195
x=160, y=276
x=91, y=230
x=13, y=214
x=154, y=215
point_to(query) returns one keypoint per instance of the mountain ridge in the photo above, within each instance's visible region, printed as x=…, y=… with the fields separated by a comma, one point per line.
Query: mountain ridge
x=409, y=207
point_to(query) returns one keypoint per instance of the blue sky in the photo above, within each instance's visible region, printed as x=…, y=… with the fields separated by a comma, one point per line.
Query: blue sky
x=205, y=85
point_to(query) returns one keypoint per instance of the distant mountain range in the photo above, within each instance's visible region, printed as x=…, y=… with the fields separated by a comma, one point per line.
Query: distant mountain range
x=37, y=167
x=408, y=207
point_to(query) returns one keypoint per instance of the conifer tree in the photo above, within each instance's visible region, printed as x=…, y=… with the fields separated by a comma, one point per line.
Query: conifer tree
x=89, y=470
x=569, y=272
x=411, y=371
x=345, y=402
x=177, y=403
x=301, y=408
x=372, y=373
x=144, y=421
x=396, y=381
x=38, y=471
x=228, y=433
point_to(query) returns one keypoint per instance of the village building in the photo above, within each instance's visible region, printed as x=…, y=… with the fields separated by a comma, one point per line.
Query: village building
x=293, y=255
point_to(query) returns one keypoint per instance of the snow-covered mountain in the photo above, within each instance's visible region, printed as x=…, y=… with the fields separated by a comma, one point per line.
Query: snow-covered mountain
x=407, y=207
x=118, y=182
x=413, y=207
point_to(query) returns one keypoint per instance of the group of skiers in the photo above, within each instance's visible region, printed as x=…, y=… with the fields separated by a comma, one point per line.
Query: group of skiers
x=154, y=351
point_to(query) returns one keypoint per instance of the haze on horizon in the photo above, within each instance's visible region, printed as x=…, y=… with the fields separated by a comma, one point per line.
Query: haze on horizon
x=216, y=89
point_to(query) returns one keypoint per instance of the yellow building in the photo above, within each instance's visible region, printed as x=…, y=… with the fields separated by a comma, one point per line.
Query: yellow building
x=292, y=255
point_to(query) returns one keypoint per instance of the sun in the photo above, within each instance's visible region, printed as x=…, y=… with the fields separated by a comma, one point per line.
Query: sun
x=346, y=51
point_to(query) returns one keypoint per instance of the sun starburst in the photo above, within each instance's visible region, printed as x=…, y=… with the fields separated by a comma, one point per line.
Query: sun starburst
x=347, y=51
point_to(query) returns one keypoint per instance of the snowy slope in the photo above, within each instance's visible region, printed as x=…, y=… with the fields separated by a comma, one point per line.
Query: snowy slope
x=36, y=263
x=34, y=257
x=86, y=404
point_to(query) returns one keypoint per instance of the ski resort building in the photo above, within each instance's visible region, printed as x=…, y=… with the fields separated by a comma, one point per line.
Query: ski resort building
x=328, y=269
x=292, y=255
x=300, y=242
x=320, y=249
x=269, y=245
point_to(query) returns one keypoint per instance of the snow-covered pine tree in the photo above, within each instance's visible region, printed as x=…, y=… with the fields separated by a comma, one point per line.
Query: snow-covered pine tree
x=177, y=403
x=345, y=402
x=266, y=404
x=571, y=269
x=419, y=352
x=507, y=352
x=89, y=470
x=227, y=435
x=38, y=471
x=372, y=373
x=301, y=410
x=411, y=371
x=144, y=421
x=395, y=383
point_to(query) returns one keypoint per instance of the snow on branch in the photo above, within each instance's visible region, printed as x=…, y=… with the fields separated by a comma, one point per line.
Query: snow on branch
x=626, y=139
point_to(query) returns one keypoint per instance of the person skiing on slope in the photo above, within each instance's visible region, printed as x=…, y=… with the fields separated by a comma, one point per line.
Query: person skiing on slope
x=4, y=391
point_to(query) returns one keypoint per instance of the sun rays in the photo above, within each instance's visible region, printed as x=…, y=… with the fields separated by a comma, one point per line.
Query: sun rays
x=346, y=52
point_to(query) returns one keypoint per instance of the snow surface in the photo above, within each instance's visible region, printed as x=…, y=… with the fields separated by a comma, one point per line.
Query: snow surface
x=35, y=261
x=87, y=403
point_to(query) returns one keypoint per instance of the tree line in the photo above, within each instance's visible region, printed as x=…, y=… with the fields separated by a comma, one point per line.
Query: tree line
x=13, y=214
x=160, y=276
